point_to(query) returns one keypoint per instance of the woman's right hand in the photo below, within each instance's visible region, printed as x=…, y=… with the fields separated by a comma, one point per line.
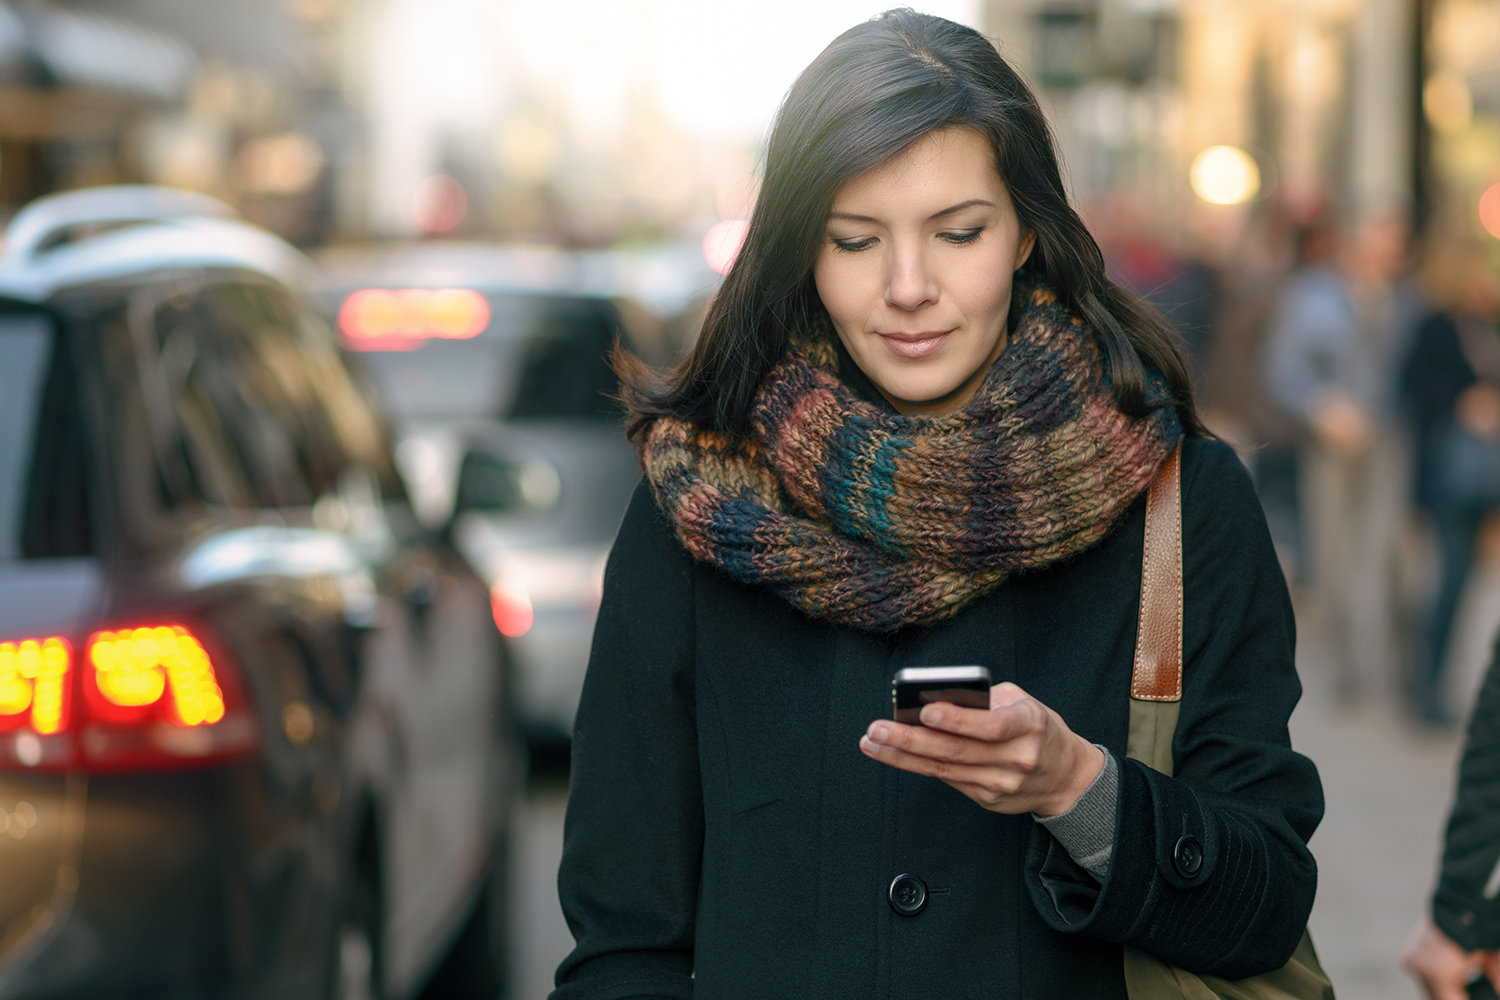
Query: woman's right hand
x=1019, y=756
x=1442, y=967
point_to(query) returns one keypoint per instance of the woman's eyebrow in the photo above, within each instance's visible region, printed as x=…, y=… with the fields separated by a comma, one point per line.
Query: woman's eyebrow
x=971, y=203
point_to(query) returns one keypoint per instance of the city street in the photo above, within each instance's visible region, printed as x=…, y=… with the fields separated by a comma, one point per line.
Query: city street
x=541, y=937
x=320, y=322
x=1387, y=790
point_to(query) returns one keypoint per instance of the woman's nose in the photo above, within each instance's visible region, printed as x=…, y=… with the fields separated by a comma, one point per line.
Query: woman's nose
x=911, y=282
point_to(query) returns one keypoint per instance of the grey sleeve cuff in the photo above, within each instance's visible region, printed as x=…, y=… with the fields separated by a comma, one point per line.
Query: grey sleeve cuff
x=1087, y=831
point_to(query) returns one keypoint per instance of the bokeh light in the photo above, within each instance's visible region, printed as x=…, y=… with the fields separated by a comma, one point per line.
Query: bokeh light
x=1224, y=175
x=1447, y=102
x=440, y=204
x=287, y=163
x=722, y=243
x=1489, y=210
x=375, y=314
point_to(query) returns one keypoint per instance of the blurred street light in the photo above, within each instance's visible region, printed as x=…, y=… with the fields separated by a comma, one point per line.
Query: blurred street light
x=1224, y=175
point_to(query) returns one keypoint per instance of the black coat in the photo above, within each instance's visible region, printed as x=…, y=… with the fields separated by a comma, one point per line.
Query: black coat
x=726, y=838
x=1466, y=904
x=1434, y=375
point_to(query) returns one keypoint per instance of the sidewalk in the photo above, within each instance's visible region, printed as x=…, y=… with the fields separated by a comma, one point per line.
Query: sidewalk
x=1388, y=790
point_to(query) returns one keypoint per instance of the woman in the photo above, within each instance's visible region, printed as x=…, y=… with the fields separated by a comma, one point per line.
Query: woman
x=1448, y=387
x=887, y=451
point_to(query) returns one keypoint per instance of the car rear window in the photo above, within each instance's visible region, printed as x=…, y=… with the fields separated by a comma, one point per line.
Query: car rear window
x=223, y=391
x=541, y=357
x=43, y=496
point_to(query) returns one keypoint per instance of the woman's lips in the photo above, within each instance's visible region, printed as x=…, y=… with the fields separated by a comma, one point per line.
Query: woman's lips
x=915, y=345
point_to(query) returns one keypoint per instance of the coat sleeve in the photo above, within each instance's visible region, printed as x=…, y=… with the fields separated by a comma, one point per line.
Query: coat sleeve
x=1465, y=905
x=633, y=837
x=1211, y=870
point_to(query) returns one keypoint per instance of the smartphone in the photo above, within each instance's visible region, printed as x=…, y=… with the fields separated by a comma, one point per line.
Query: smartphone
x=914, y=687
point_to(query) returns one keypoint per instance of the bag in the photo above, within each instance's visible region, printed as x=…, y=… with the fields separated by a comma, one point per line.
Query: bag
x=1155, y=697
x=1468, y=468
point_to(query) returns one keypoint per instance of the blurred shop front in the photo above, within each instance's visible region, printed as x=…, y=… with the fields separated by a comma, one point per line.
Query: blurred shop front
x=1317, y=93
x=1353, y=108
x=237, y=98
x=1460, y=143
x=73, y=87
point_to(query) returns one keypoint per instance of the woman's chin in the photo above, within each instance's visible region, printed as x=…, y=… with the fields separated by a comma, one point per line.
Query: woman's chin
x=924, y=400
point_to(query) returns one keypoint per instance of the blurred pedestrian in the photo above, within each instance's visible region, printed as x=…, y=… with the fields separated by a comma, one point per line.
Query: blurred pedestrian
x=1457, y=942
x=1451, y=389
x=917, y=429
x=1335, y=348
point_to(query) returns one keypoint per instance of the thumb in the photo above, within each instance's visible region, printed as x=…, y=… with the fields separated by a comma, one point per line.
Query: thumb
x=1006, y=693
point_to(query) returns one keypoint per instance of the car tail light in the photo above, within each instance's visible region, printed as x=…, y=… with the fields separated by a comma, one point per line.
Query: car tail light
x=146, y=697
x=379, y=319
x=34, y=685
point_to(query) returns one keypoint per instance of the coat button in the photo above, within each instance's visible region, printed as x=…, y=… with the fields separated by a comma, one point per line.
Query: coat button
x=1187, y=857
x=908, y=895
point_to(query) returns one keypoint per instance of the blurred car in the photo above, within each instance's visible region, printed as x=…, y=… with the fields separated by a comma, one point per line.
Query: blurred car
x=249, y=710
x=494, y=362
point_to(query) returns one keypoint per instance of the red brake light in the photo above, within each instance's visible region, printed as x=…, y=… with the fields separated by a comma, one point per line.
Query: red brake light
x=151, y=698
x=133, y=668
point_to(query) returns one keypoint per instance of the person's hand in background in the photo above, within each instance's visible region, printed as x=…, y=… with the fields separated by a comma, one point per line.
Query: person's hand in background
x=1442, y=967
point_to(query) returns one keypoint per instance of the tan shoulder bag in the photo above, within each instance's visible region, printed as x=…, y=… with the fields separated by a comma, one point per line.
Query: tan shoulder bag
x=1155, y=696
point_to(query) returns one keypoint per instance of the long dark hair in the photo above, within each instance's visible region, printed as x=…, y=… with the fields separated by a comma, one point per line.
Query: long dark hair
x=876, y=89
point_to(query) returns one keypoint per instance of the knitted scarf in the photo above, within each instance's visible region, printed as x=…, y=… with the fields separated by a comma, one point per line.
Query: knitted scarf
x=865, y=518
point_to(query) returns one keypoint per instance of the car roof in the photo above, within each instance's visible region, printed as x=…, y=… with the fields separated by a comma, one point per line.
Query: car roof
x=105, y=234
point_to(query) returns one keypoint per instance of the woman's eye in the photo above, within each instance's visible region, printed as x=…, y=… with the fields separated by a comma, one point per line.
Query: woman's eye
x=963, y=236
x=862, y=243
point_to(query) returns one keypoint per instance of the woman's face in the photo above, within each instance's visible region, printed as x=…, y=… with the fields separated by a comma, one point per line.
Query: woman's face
x=915, y=270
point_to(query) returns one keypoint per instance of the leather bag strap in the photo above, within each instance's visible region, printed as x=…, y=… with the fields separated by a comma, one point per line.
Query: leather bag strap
x=1158, y=641
x=1155, y=697
x=1156, y=681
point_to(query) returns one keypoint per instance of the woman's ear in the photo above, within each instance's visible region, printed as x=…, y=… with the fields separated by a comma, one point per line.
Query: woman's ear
x=1023, y=249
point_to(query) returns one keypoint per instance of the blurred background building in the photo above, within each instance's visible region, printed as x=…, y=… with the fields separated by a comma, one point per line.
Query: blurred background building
x=594, y=123
x=1365, y=105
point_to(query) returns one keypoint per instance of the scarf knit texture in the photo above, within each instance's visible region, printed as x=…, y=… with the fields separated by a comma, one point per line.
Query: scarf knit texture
x=865, y=518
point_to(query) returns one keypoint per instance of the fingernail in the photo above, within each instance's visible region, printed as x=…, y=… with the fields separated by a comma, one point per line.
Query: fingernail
x=932, y=715
x=868, y=745
x=879, y=732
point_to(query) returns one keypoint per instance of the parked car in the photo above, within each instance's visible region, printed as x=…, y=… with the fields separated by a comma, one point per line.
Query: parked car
x=494, y=363
x=251, y=713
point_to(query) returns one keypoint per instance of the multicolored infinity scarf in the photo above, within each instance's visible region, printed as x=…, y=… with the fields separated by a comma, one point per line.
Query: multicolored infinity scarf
x=869, y=519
